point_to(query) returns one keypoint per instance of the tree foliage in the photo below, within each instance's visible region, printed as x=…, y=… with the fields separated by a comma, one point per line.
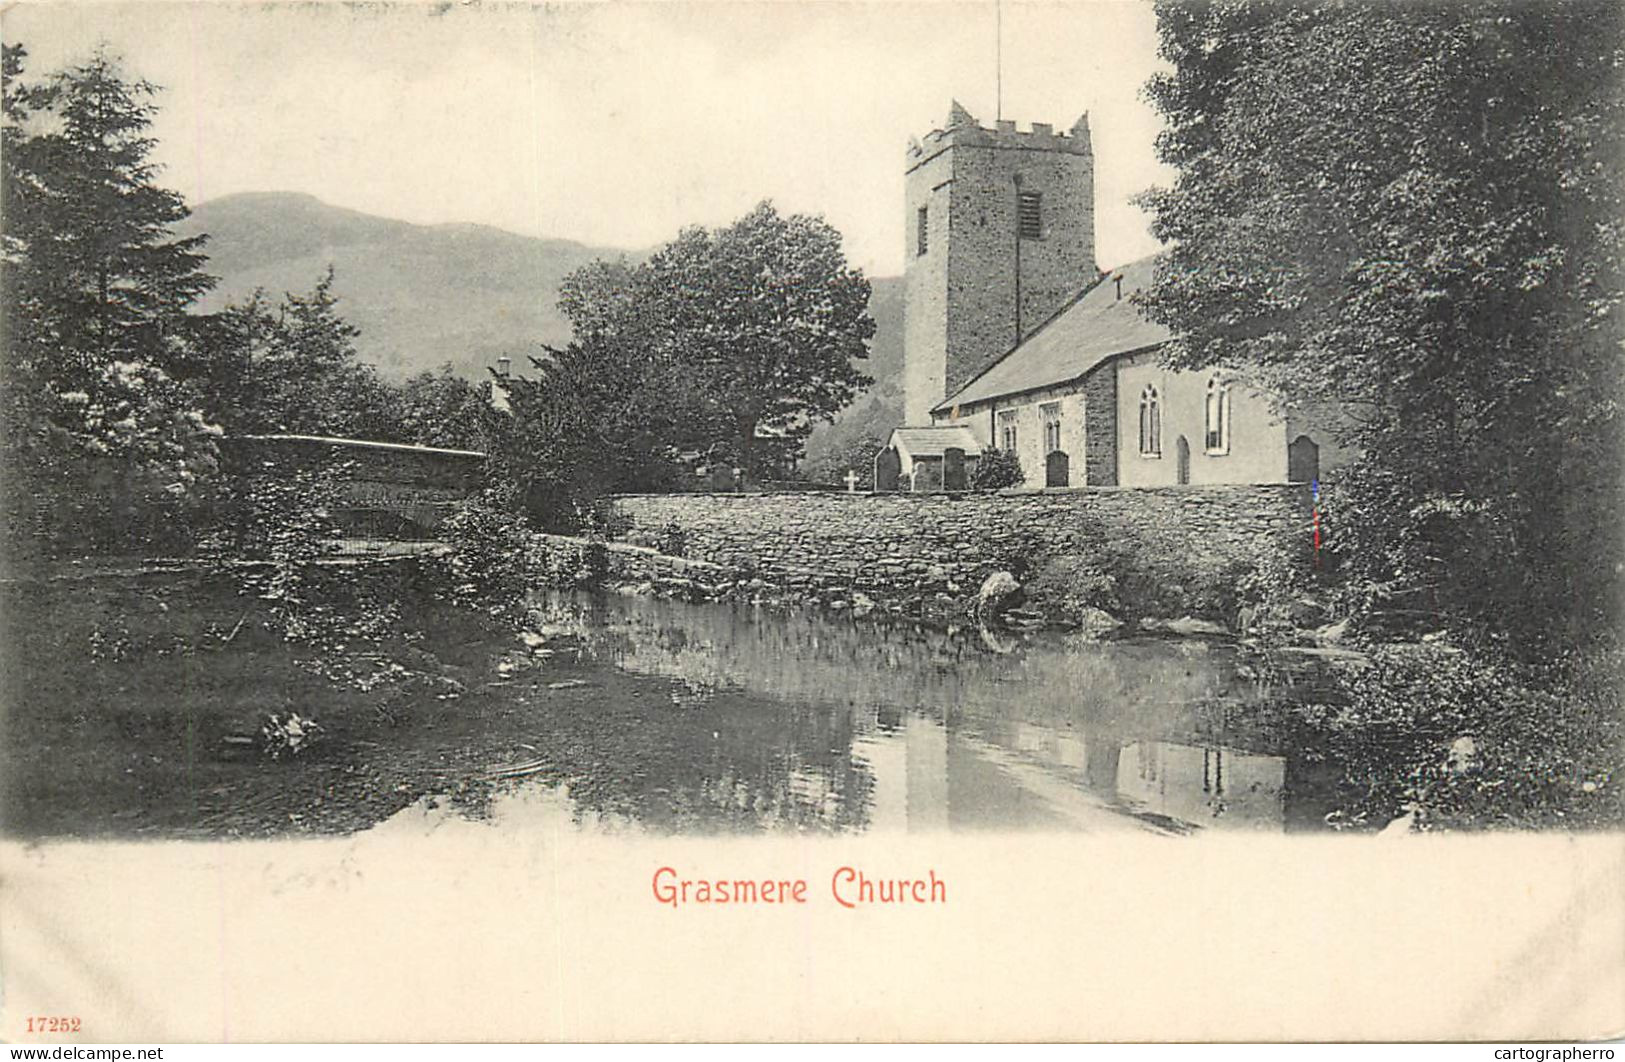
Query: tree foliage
x=720, y=335
x=767, y=318
x=292, y=368
x=1415, y=212
x=444, y=409
x=101, y=419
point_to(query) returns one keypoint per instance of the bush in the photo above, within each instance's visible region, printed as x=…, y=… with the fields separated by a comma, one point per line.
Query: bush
x=1067, y=585
x=1464, y=741
x=489, y=563
x=997, y=469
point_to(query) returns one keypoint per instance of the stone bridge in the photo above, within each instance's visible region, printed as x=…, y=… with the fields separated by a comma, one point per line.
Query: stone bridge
x=391, y=490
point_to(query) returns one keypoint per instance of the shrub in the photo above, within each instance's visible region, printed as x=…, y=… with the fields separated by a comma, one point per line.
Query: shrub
x=1067, y=585
x=997, y=469
x=1464, y=741
x=488, y=564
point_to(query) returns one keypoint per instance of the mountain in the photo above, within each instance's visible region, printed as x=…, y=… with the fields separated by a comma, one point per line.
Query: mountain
x=424, y=295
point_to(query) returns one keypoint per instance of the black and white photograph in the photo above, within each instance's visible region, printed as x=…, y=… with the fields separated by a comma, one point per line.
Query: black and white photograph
x=1120, y=499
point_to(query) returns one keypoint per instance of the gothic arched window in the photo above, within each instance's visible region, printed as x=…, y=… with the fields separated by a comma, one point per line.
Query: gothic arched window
x=1218, y=416
x=1150, y=423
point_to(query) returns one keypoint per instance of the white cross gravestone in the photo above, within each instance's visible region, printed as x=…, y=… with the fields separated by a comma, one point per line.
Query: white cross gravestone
x=851, y=481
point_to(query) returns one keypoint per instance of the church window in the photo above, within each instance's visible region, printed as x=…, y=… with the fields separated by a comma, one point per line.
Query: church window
x=1218, y=416
x=1030, y=215
x=1007, y=430
x=1051, y=415
x=922, y=232
x=1150, y=423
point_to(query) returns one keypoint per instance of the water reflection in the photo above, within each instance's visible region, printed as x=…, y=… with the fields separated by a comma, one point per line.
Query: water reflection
x=725, y=717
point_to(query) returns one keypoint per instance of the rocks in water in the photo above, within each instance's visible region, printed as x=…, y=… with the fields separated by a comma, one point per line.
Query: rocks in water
x=1024, y=618
x=1000, y=592
x=1094, y=622
x=289, y=734
x=1185, y=625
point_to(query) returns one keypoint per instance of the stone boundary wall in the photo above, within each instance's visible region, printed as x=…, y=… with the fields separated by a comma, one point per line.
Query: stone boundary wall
x=886, y=544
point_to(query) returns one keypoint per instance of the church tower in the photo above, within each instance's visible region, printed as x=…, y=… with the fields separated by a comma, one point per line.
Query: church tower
x=1001, y=233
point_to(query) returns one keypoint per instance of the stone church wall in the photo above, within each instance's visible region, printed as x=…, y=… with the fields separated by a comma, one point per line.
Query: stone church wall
x=890, y=546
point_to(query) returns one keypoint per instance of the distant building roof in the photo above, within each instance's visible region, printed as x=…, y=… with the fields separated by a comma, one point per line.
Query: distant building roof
x=1098, y=325
x=931, y=442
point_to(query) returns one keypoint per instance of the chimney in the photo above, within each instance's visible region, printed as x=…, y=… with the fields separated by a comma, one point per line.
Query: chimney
x=504, y=364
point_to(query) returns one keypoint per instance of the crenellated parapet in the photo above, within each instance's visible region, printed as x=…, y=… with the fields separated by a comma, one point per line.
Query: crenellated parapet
x=963, y=130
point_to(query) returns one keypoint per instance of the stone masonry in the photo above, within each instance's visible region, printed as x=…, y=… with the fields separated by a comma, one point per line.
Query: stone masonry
x=896, y=544
x=961, y=291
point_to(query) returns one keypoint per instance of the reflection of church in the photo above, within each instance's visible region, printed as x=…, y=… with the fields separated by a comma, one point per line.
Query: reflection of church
x=839, y=726
x=927, y=777
x=1015, y=340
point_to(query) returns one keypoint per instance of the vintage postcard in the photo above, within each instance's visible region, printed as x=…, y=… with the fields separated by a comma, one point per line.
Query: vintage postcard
x=812, y=521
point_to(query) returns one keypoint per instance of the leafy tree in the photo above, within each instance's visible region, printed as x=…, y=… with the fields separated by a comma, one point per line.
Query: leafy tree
x=101, y=423
x=443, y=409
x=769, y=317
x=578, y=430
x=1413, y=212
x=720, y=335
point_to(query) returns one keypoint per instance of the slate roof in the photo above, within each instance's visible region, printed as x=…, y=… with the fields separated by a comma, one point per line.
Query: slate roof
x=1096, y=327
x=931, y=442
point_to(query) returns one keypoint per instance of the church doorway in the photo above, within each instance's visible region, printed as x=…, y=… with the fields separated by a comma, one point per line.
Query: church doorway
x=1182, y=454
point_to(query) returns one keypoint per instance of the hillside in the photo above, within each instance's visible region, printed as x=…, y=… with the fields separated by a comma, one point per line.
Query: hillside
x=424, y=295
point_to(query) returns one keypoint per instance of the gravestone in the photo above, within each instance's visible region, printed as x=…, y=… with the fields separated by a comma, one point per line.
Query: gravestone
x=1302, y=460
x=1057, y=469
x=887, y=467
x=927, y=475
x=953, y=469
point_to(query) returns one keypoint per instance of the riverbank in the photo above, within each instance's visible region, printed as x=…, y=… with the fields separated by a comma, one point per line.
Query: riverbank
x=167, y=703
x=1429, y=734
x=258, y=700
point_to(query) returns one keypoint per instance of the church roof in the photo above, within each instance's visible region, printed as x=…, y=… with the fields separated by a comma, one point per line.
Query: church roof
x=1097, y=326
x=931, y=442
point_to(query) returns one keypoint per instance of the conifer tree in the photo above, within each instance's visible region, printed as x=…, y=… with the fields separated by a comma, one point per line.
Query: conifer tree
x=95, y=289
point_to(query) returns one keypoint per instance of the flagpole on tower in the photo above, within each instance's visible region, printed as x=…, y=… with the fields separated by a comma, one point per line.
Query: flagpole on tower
x=998, y=58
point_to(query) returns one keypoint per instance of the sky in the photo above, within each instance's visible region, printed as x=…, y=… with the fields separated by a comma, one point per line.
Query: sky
x=615, y=124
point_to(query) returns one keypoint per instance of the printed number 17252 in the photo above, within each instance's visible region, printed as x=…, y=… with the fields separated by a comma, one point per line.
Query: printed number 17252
x=53, y=1025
